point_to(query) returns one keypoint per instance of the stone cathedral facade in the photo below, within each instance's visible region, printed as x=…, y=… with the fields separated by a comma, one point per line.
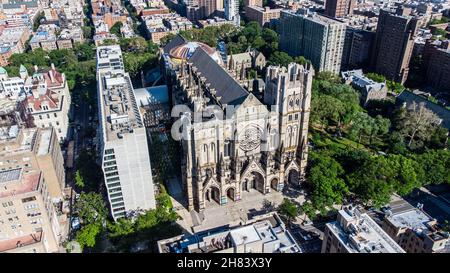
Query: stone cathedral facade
x=234, y=144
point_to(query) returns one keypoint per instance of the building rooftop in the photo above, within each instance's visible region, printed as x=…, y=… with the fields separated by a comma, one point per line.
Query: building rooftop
x=17, y=182
x=414, y=219
x=22, y=241
x=315, y=17
x=357, y=78
x=228, y=90
x=119, y=107
x=358, y=233
x=267, y=234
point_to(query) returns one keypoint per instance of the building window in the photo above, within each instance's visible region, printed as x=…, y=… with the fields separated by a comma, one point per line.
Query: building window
x=28, y=199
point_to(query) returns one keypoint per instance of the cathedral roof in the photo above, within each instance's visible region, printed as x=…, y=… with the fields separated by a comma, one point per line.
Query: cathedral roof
x=228, y=90
x=177, y=41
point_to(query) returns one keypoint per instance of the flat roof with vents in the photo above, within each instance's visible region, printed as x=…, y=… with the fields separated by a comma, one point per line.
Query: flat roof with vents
x=10, y=175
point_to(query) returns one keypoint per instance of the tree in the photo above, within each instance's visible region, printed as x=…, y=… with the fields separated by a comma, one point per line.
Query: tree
x=328, y=188
x=416, y=123
x=79, y=181
x=438, y=138
x=122, y=227
x=301, y=60
x=37, y=20
x=309, y=210
x=115, y=29
x=280, y=58
x=91, y=208
x=372, y=181
x=87, y=235
x=135, y=44
x=84, y=51
x=406, y=174
x=435, y=165
x=288, y=209
x=376, y=77
x=362, y=125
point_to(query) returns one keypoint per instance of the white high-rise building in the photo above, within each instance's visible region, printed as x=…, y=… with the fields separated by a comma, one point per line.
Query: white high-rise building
x=232, y=11
x=125, y=156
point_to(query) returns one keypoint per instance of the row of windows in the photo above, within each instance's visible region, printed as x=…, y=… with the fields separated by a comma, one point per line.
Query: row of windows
x=113, y=168
x=295, y=117
x=109, y=151
x=111, y=174
x=117, y=199
x=115, y=207
x=109, y=157
x=114, y=190
x=119, y=194
x=112, y=185
x=109, y=163
x=119, y=214
x=48, y=115
x=7, y=204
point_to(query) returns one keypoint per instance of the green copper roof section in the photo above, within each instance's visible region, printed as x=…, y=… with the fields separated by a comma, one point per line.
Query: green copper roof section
x=22, y=68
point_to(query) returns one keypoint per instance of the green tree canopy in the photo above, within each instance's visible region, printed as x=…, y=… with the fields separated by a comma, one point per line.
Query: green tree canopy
x=91, y=208
x=288, y=209
x=87, y=235
x=115, y=29
x=328, y=188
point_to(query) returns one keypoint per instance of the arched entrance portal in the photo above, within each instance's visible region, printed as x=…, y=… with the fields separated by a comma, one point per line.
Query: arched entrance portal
x=231, y=194
x=293, y=178
x=212, y=194
x=274, y=184
x=254, y=181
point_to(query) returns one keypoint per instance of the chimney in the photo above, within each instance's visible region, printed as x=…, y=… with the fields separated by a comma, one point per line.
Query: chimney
x=35, y=93
x=53, y=66
x=35, y=68
x=52, y=77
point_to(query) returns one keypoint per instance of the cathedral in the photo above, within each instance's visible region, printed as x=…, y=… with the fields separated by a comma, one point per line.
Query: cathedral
x=234, y=144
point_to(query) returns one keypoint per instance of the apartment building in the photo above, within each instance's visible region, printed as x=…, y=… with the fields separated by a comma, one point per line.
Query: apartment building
x=123, y=138
x=339, y=8
x=231, y=8
x=356, y=232
x=437, y=63
x=262, y=15
x=394, y=42
x=416, y=232
x=33, y=214
x=357, y=48
x=316, y=37
x=48, y=100
x=43, y=97
x=257, y=3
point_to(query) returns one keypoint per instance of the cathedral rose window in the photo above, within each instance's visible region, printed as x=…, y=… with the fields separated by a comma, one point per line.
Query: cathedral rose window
x=250, y=139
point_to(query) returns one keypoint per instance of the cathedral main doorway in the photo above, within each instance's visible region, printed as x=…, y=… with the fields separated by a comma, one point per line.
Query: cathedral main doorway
x=212, y=195
x=293, y=178
x=255, y=181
